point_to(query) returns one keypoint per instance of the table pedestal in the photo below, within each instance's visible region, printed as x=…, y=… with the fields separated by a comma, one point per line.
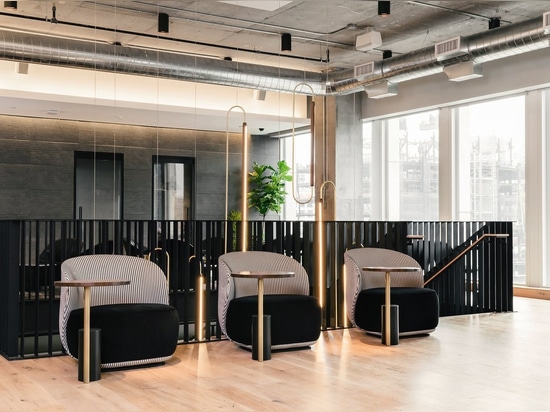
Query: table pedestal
x=261, y=328
x=387, y=332
x=394, y=325
x=266, y=337
x=87, y=285
x=95, y=355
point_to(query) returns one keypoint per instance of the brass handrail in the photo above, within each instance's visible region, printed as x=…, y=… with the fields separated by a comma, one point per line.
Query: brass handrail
x=497, y=235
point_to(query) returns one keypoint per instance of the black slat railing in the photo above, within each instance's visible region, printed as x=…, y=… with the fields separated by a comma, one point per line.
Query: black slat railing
x=31, y=252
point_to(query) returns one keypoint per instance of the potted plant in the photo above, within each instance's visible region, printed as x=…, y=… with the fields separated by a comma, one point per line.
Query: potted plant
x=268, y=187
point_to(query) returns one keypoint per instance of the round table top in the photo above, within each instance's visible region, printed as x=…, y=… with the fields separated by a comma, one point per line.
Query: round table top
x=391, y=269
x=262, y=274
x=90, y=282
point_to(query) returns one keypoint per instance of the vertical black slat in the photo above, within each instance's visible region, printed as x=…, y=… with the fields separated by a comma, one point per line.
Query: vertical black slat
x=472, y=262
x=127, y=238
x=115, y=236
x=184, y=272
x=432, y=241
x=237, y=231
x=485, y=283
x=385, y=233
x=475, y=302
x=210, y=261
x=444, y=280
x=426, y=246
x=28, y=273
x=269, y=237
x=507, y=246
x=282, y=238
x=141, y=236
x=357, y=235
x=404, y=239
x=472, y=259
x=331, y=273
x=179, y=249
x=375, y=234
x=46, y=305
x=481, y=269
x=153, y=238
x=459, y=268
x=367, y=239
x=223, y=246
x=359, y=232
x=307, y=230
x=11, y=300
x=88, y=235
x=343, y=229
x=354, y=235
x=496, y=278
x=485, y=270
x=294, y=240
x=201, y=245
x=326, y=278
x=499, y=274
x=489, y=256
x=475, y=258
x=322, y=275
x=373, y=238
x=336, y=243
x=381, y=234
x=271, y=232
x=438, y=245
x=506, y=255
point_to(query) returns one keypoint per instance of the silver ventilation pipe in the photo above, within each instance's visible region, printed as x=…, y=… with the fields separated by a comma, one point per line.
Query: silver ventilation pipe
x=129, y=60
x=482, y=47
x=486, y=46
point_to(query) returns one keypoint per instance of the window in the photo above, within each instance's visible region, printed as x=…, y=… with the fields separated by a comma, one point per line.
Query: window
x=98, y=185
x=172, y=188
x=491, y=167
x=401, y=165
x=301, y=209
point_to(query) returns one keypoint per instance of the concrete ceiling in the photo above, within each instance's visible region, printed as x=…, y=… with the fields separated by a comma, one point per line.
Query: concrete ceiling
x=323, y=32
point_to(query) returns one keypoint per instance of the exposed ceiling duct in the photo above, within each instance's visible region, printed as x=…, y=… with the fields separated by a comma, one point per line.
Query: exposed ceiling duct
x=489, y=45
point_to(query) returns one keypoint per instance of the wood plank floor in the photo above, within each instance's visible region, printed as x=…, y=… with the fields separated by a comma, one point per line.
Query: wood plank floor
x=489, y=362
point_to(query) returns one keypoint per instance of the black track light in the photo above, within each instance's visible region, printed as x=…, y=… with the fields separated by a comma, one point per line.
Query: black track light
x=383, y=8
x=494, y=22
x=286, y=42
x=163, y=23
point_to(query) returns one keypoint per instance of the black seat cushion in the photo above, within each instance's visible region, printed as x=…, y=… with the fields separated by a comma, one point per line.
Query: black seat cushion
x=129, y=331
x=418, y=309
x=294, y=318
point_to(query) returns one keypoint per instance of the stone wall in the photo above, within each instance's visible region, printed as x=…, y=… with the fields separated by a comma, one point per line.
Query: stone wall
x=37, y=165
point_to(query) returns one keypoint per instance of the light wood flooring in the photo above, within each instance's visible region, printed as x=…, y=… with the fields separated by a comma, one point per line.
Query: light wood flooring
x=489, y=362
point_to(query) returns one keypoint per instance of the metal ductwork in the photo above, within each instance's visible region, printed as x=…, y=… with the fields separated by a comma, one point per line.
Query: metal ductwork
x=486, y=46
x=493, y=44
x=137, y=61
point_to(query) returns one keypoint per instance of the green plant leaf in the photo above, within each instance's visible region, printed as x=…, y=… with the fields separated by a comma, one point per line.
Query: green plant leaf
x=268, y=187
